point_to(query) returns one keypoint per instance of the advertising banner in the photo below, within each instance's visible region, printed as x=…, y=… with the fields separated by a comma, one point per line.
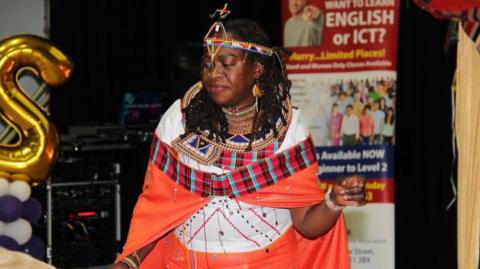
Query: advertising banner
x=343, y=72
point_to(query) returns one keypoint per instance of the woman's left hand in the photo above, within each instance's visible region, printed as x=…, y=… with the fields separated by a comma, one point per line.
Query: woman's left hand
x=350, y=191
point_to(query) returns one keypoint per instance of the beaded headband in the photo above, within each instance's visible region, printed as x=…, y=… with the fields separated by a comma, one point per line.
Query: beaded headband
x=217, y=37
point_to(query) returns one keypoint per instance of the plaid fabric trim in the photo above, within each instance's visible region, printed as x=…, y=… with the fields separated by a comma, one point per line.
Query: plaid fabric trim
x=472, y=29
x=469, y=17
x=470, y=14
x=242, y=180
x=230, y=160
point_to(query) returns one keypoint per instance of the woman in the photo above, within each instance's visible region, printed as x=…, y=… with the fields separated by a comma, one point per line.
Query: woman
x=367, y=126
x=389, y=128
x=335, y=126
x=232, y=182
x=382, y=104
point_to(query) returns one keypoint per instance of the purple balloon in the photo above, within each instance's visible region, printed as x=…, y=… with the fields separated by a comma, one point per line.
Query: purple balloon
x=32, y=210
x=35, y=247
x=10, y=208
x=8, y=243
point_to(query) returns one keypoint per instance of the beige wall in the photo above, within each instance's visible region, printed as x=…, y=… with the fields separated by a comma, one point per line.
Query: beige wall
x=23, y=17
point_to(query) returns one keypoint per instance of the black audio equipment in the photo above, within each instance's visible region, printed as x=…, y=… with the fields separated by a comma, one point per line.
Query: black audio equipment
x=83, y=223
x=83, y=220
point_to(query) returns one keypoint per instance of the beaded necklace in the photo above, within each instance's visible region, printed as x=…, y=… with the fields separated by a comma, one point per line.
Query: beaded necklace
x=207, y=151
x=240, y=121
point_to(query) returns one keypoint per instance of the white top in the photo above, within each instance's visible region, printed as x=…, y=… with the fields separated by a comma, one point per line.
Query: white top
x=378, y=118
x=224, y=224
x=350, y=125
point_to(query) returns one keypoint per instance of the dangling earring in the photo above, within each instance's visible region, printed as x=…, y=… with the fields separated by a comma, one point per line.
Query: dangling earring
x=257, y=92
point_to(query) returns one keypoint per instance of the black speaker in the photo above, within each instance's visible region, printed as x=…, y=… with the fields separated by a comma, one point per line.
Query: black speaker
x=82, y=201
x=83, y=223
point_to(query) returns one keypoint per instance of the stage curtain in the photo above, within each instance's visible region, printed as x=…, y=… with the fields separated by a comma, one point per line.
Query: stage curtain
x=468, y=141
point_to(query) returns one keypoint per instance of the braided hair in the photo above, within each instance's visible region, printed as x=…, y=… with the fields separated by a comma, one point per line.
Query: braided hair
x=202, y=114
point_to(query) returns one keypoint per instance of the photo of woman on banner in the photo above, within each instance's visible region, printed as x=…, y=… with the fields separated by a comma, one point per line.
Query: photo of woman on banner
x=335, y=126
x=388, y=131
x=366, y=126
x=357, y=104
x=305, y=27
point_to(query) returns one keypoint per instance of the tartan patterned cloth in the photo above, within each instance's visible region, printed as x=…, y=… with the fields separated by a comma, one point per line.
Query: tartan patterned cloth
x=472, y=29
x=242, y=180
x=467, y=12
x=230, y=160
x=454, y=12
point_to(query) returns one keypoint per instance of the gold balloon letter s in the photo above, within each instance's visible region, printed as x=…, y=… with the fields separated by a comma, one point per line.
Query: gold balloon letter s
x=32, y=156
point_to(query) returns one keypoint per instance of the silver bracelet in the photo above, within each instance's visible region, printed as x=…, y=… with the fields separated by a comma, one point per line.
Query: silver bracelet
x=126, y=263
x=129, y=262
x=331, y=204
x=137, y=258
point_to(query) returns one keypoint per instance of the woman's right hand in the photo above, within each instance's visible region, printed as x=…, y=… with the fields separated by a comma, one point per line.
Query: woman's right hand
x=350, y=191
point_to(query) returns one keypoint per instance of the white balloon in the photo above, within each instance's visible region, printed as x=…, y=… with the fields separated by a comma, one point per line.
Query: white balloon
x=4, y=186
x=20, y=230
x=2, y=227
x=20, y=189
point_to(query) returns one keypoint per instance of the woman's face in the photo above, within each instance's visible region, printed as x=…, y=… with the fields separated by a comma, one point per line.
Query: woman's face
x=230, y=76
x=335, y=109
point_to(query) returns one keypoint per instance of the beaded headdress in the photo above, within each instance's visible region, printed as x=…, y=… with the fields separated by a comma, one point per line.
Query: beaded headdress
x=217, y=37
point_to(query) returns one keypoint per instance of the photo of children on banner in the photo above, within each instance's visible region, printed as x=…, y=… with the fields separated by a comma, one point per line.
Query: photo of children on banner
x=362, y=112
x=305, y=27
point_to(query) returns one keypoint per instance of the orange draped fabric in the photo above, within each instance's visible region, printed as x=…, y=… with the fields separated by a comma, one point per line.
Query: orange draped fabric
x=164, y=205
x=171, y=253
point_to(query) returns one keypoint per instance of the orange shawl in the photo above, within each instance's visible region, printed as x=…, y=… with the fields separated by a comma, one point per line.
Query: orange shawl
x=164, y=205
